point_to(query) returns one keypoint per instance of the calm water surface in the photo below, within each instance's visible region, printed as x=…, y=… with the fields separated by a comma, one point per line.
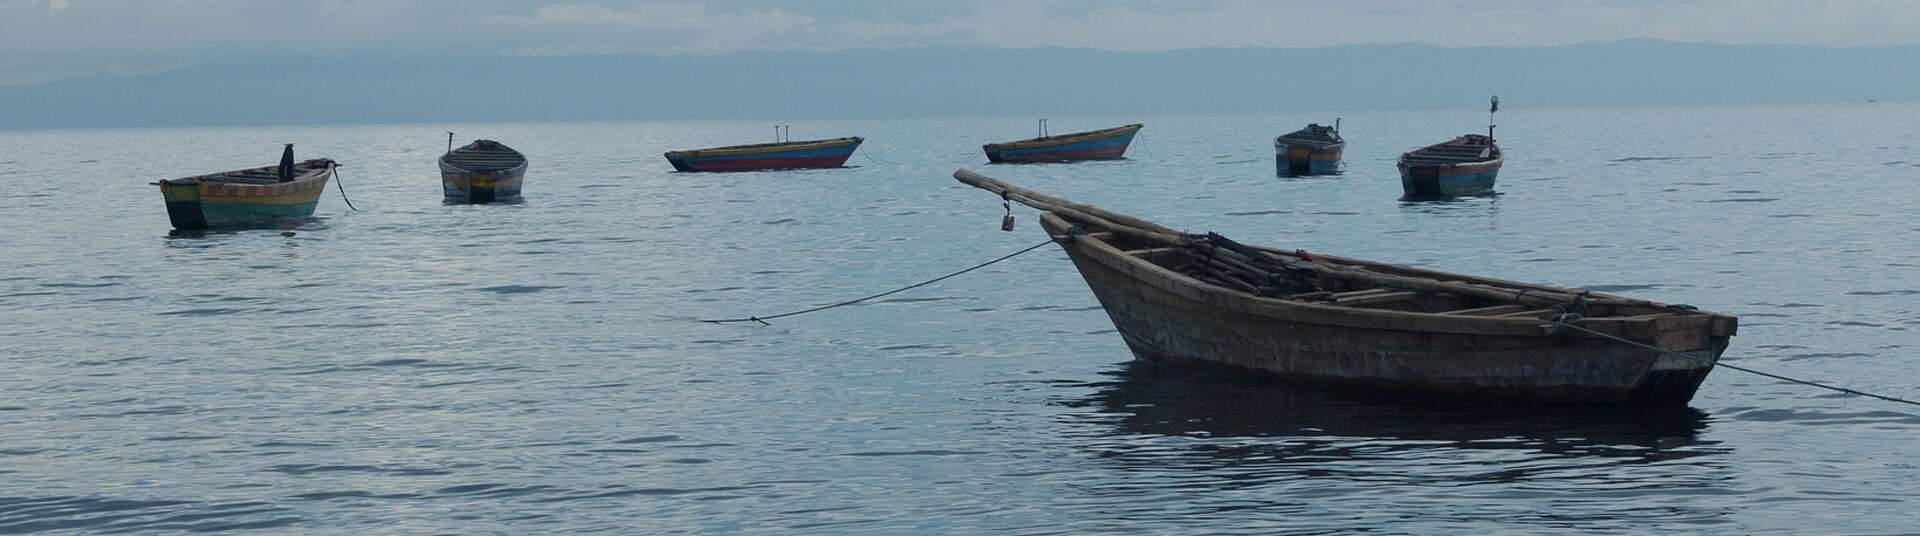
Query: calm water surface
x=414, y=367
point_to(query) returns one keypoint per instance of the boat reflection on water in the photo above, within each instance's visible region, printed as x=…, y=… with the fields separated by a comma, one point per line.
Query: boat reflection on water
x=1290, y=461
x=1301, y=425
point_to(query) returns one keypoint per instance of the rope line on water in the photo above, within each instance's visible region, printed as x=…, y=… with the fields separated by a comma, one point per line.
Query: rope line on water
x=342, y=185
x=763, y=319
x=868, y=153
x=1562, y=321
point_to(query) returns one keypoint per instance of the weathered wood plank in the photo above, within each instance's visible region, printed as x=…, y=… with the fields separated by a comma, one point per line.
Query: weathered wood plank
x=1485, y=311
x=1383, y=297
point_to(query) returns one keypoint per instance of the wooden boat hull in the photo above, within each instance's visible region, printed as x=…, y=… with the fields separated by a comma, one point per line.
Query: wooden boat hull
x=212, y=205
x=1169, y=319
x=1297, y=160
x=1449, y=180
x=1463, y=166
x=1109, y=144
x=484, y=171
x=467, y=187
x=794, y=155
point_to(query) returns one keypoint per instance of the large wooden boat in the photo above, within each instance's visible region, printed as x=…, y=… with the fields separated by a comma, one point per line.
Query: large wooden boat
x=1314, y=150
x=1103, y=144
x=1207, y=302
x=261, y=196
x=482, y=172
x=830, y=153
x=1462, y=166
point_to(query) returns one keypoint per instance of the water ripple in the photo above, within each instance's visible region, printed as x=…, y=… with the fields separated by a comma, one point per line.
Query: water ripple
x=417, y=367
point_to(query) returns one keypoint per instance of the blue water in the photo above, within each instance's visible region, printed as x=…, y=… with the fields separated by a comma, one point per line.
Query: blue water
x=415, y=367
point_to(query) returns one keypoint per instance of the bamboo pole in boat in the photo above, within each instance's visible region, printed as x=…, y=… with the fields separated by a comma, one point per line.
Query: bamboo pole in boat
x=1123, y=224
x=1153, y=233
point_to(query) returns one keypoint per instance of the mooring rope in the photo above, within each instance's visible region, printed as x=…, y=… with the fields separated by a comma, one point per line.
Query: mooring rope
x=869, y=154
x=1562, y=321
x=763, y=319
x=342, y=185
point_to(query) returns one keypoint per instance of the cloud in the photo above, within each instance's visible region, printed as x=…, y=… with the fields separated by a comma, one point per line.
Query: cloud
x=654, y=27
x=121, y=35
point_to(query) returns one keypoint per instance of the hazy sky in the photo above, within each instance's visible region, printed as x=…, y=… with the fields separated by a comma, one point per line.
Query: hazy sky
x=41, y=39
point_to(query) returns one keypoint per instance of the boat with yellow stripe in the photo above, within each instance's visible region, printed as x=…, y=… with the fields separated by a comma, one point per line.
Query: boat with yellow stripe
x=809, y=154
x=1103, y=144
x=1314, y=150
x=261, y=196
x=484, y=171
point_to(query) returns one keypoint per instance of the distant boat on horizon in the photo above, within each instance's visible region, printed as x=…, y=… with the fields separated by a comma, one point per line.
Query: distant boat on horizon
x=1103, y=144
x=1314, y=150
x=481, y=172
x=809, y=154
x=261, y=196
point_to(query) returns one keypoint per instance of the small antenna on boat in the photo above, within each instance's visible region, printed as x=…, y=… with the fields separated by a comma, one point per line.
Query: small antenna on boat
x=1336, y=125
x=1491, y=109
x=449, y=142
x=1043, y=127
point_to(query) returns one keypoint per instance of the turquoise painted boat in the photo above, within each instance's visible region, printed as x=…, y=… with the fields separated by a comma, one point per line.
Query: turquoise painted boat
x=482, y=172
x=1104, y=144
x=254, y=197
x=1463, y=166
x=810, y=154
x=1314, y=150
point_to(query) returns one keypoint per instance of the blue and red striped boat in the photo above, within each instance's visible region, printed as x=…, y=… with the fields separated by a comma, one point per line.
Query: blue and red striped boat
x=831, y=153
x=1104, y=144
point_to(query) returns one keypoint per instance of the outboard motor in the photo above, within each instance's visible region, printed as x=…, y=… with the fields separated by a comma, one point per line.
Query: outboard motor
x=286, y=164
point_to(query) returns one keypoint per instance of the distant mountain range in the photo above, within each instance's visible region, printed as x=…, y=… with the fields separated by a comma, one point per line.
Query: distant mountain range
x=955, y=81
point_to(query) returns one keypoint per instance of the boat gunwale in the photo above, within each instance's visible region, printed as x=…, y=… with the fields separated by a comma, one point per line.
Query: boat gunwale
x=1493, y=159
x=1169, y=280
x=1063, y=139
x=316, y=168
x=1293, y=138
x=1495, y=163
x=1282, y=142
x=517, y=169
x=446, y=167
x=771, y=147
x=503, y=150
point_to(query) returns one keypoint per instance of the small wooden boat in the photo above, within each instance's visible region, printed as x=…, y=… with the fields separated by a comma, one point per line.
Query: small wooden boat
x=1207, y=302
x=1462, y=166
x=482, y=172
x=1314, y=150
x=262, y=196
x=831, y=153
x=1104, y=144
